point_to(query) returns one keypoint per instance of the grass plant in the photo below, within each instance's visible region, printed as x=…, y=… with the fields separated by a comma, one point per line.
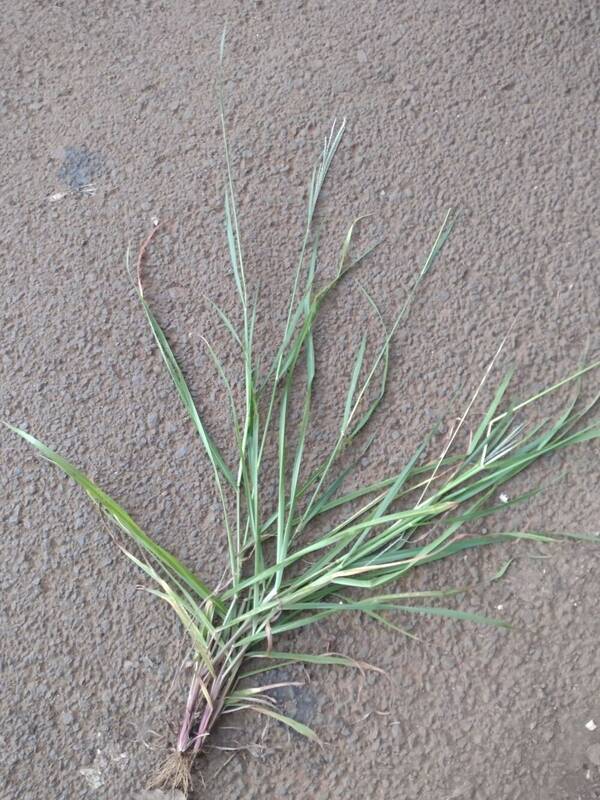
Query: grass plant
x=289, y=566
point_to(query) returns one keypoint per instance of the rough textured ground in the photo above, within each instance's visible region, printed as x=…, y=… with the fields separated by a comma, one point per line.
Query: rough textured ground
x=490, y=107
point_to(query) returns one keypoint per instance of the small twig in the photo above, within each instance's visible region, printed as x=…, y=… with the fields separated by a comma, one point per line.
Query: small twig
x=465, y=414
x=225, y=764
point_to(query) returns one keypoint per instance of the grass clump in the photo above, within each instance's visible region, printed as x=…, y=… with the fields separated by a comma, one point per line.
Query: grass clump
x=289, y=566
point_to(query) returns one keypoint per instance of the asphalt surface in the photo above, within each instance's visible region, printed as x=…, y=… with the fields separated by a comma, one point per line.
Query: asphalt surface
x=109, y=122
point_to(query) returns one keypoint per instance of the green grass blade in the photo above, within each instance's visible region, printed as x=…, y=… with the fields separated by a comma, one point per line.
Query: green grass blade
x=489, y=414
x=225, y=320
x=358, y=362
x=289, y=722
x=122, y=518
x=211, y=449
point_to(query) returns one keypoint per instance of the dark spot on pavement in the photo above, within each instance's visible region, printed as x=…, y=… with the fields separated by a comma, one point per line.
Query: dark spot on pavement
x=80, y=167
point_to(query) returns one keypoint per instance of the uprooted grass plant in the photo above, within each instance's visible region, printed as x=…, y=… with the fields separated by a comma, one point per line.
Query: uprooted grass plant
x=288, y=566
